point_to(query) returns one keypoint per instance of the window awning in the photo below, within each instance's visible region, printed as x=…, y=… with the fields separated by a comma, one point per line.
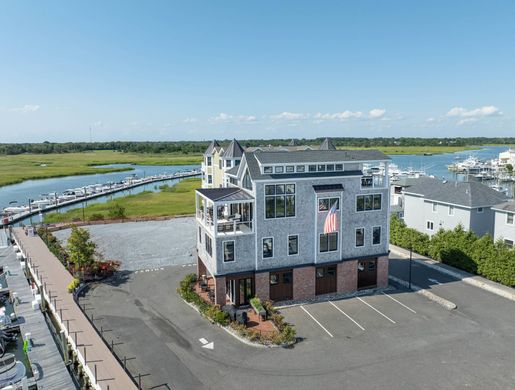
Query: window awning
x=328, y=187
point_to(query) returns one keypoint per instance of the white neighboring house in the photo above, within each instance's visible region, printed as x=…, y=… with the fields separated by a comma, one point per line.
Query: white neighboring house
x=504, y=225
x=432, y=204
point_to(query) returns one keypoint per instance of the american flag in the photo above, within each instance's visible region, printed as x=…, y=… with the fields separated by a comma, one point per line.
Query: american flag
x=330, y=220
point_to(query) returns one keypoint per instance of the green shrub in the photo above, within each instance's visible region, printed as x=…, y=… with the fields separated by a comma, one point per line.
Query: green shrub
x=73, y=285
x=96, y=217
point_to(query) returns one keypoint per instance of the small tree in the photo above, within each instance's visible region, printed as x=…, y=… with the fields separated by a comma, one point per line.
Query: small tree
x=509, y=168
x=116, y=211
x=80, y=247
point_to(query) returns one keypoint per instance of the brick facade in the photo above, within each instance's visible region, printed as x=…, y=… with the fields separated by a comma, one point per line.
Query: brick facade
x=382, y=272
x=220, y=295
x=303, y=283
x=262, y=284
x=347, y=276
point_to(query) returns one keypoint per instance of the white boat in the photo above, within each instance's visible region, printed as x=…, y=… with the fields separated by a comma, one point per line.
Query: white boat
x=12, y=371
x=16, y=209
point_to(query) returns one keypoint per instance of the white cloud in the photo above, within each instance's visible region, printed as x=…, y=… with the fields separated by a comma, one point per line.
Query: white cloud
x=376, y=113
x=477, y=113
x=344, y=115
x=467, y=120
x=226, y=118
x=190, y=120
x=289, y=116
x=25, y=109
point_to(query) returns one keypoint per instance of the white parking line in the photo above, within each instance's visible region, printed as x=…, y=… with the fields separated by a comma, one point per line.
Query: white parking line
x=346, y=315
x=314, y=319
x=372, y=307
x=400, y=303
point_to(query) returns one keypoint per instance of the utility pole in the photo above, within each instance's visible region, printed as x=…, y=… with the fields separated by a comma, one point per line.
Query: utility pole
x=410, y=261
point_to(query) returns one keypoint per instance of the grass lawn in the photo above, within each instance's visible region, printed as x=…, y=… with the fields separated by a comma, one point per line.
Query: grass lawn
x=417, y=149
x=175, y=200
x=17, y=168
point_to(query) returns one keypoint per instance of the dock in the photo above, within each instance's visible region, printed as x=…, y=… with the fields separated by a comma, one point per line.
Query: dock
x=49, y=369
x=12, y=219
x=99, y=364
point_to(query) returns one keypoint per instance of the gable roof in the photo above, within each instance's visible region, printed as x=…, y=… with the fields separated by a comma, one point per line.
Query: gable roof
x=468, y=194
x=233, y=171
x=327, y=145
x=211, y=147
x=234, y=150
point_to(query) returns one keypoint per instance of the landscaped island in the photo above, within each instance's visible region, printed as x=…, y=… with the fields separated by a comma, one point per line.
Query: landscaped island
x=170, y=201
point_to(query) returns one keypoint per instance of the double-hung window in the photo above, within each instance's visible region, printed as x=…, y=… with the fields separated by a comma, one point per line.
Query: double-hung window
x=329, y=242
x=209, y=247
x=279, y=200
x=293, y=245
x=360, y=237
x=376, y=235
x=451, y=210
x=325, y=204
x=509, y=218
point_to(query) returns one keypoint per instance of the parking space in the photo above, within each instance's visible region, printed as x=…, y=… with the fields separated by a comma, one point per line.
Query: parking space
x=354, y=317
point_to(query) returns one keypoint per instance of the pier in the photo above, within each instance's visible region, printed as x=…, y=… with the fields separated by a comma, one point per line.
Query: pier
x=12, y=219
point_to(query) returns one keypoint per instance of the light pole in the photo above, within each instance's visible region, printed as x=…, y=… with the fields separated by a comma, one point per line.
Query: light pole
x=410, y=261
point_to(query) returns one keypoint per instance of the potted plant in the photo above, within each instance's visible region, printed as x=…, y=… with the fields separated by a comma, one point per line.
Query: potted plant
x=258, y=307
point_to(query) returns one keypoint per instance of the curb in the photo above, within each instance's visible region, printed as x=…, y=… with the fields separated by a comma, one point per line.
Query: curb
x=236, y=335
x=473, y=280
x=428, y=294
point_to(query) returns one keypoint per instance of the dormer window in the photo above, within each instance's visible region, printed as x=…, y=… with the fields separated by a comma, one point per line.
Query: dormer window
x=301, y=168
x=321, y=168
x=228, y=163
x=330, y=167
x=290, y=168
x=268, y=170
x=279, y=169
x=312, y=168
x=338, y=167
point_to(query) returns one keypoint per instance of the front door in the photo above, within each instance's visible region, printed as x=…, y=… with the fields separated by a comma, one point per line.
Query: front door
x=281, y=285
x=246, y=291
x=325, y=281
x=367, y=273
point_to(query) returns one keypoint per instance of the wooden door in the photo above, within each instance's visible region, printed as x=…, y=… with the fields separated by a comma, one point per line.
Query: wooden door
x=281, y=285
x=325, y=281
x=367, y=273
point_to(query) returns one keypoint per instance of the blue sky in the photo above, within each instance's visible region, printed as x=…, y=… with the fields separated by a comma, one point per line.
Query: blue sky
x=170, y=70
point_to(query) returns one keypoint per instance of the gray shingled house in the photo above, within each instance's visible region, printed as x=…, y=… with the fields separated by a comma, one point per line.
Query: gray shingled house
x=262, y=234
x=504, y=222
x=431, y=204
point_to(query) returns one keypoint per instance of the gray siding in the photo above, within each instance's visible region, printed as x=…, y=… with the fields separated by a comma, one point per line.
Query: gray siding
x=418, y=210
x=502, y=229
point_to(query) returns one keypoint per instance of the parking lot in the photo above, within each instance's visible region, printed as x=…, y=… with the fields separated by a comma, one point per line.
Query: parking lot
x=354, y=317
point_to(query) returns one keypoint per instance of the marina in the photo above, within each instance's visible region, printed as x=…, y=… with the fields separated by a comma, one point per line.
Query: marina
x=54, y=200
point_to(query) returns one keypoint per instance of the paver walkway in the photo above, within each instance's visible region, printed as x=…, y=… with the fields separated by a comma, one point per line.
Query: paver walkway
x=52, y=274
x=44, y=355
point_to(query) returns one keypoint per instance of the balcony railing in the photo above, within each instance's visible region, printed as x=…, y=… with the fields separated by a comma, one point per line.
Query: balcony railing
x=234, y=227
x=373, y=181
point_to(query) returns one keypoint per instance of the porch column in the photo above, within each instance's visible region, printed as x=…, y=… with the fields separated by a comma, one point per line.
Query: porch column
x=382, y=271
x=303, y=283
x=262, y=281
x=220, y=294
x=347, y=276
x=201, y=268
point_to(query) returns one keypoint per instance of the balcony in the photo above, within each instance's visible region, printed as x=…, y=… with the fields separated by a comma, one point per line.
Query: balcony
x=373, y=181
x=225, y=211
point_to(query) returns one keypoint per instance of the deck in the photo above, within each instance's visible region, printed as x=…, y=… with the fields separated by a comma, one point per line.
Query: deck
x=91, y=350
x=44, y=354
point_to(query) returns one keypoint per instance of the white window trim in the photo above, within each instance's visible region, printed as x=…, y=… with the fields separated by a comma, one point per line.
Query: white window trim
x=328, y=197
x=273, y=249
x=513, y=219
x=364, y=237
x=380, y=234
x=433, y=229
x=329, y=250
x=288, y=245
x=233, y=251
x=368, y=211
x=264, y=201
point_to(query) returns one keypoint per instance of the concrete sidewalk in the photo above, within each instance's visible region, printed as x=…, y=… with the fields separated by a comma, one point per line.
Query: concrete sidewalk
x=474, y=280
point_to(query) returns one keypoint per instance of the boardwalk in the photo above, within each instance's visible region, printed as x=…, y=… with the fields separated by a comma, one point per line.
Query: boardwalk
x=44, y=355
x=83, y=337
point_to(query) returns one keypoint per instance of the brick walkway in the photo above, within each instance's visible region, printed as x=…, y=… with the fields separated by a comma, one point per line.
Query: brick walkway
x=51, y=273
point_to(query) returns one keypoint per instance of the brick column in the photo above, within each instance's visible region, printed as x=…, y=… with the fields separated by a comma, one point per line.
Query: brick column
x=303, y=283
x=262, y=284
x=382, y=272
x=201, y=268
x=220, y=295
x=347, y=276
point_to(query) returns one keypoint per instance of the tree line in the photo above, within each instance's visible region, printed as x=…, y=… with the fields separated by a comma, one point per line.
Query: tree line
x=197, y=147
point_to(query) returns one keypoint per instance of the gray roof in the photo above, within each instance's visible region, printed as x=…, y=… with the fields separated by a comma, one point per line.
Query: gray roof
x=506, y=206
x=313, y=156
x=468, y=194
x=255, y=172
x=327, y=145
x=233, y=171
x=214, y=144
x=270, y=148
x=226, y=194
x=234, y=150
x=327, y=187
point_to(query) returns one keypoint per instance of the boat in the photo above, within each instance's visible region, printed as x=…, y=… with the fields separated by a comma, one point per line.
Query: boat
x=12, y=371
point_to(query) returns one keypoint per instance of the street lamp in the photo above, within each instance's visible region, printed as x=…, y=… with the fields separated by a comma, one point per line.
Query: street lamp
x=410, y=261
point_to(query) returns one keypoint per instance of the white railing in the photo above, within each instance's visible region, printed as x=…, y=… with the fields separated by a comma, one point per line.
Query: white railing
x=373, y=181
x=234, y=227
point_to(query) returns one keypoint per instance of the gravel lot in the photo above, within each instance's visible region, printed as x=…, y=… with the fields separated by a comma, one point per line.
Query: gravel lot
x=143, y=245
